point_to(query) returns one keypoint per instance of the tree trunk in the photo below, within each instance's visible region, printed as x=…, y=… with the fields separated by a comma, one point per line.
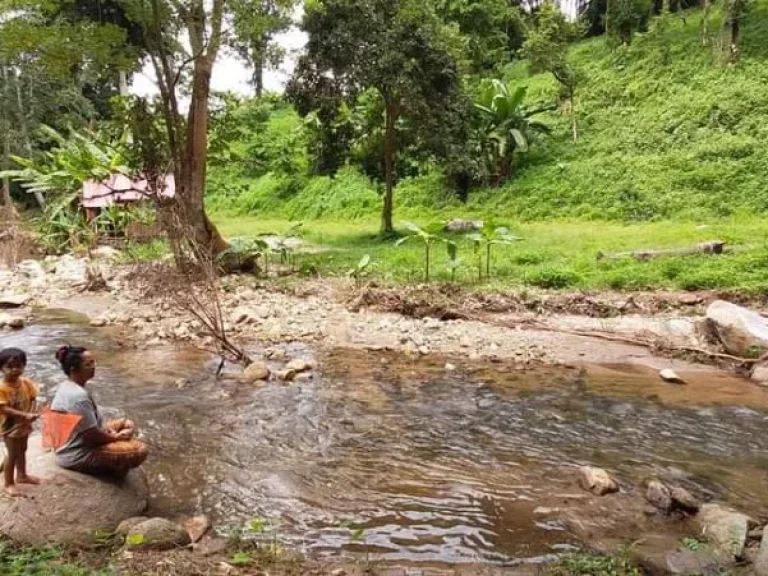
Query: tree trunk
x=191, y=173
x=258, y=78
x=390, y=148
x=6, y=142
x=735, y=28
x=574, y=120
x=25, y=134
x=705, y=23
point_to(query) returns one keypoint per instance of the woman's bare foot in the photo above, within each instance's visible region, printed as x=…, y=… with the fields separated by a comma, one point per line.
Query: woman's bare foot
x=28, y=479
x=13, y=491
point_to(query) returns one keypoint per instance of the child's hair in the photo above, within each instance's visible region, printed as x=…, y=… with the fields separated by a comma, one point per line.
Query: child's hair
x=70, y=358
x=8, y=355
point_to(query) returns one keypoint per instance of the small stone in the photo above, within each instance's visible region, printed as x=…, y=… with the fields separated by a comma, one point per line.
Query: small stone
x=225, y=569
x=659, y=495
x=286, y=375
x=157, y=534
x=98, y=322
x=298, y=365
x=339, y=572
x=424, y=350
x=16, y=323
x=450, y=367
x=196, y=527
x=210, y=546
x=684, y=500
x=257, y=371
x=669, y=375
x=597, y=481
x=127, y=525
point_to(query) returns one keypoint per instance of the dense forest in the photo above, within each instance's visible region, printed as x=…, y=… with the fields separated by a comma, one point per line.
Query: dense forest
x=634, y=111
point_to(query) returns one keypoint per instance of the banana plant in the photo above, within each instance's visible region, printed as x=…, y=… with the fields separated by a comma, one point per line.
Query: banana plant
x=484, y=241
x=426, y=237
x=453, y=258
x=360, y=271
x=285, y=243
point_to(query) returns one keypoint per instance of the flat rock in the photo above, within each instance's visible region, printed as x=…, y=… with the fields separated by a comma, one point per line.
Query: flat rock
x=157, y=534
x=597, y=481
x=210, y=546
x=669, y=375
x=106, y=253
x=741, y=331
x=16, y=323
x=725, y=529
x=69, y=508
x=13, y=300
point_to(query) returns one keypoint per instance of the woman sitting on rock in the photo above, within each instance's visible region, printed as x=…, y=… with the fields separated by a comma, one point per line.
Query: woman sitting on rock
x=92, y=447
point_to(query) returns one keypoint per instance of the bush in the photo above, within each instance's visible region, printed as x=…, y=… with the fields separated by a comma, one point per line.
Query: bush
x=553, y=278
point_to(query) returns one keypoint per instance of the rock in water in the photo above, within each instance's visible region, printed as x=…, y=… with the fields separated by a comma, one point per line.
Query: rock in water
x=659, y=495
x=669, y=375
x=725, y=529
x=255, y=372
x=157, y=534
x=597, y=481
x=761, y=563
x=742, y=331
x=69, y=508
x=16, y=323
x=684, y=501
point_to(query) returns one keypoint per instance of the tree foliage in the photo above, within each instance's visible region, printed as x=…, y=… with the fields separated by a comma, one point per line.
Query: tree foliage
x=401, y=50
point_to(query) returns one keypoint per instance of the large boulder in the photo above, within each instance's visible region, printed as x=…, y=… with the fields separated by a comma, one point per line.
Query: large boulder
x=725, y=529
x=68, y=507
x=741, y=331
x=761, y=563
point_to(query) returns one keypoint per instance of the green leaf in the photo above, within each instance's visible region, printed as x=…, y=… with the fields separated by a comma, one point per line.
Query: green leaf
x=240, y=559
x=133, y=540
x=257, y=525
x=357, y=535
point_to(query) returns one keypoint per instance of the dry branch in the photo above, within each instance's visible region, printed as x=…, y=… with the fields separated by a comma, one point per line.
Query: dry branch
x=711, y=247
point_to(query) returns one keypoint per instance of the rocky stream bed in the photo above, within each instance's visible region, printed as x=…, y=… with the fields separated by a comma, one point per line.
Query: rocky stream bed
x=495, y=434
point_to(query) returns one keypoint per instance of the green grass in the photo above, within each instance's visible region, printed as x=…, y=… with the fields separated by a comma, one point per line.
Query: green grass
x=557, y=254
x=44, y=561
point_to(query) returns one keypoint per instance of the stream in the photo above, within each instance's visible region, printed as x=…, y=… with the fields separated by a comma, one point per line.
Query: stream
x=402, y=460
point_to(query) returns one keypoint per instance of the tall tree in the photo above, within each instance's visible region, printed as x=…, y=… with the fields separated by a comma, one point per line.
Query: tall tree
x=177, y=68
x=547, y=51
x=734, y=11
x=400, y=49
x=624, y=18
x=257, y=24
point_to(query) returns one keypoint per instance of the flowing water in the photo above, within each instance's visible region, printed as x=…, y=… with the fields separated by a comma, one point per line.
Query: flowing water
x=407, y=461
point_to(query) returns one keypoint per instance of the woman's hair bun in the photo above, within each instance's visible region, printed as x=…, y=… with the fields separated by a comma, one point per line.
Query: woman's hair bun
x=61, y=354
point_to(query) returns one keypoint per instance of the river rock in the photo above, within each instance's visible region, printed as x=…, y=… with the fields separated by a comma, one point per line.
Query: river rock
x=725, y=529
x=72, y=270
x=16, y=323
x=298, y=365
x=286, y=374
x=761, y=562
x=157, y=534
x=597, y=481
x=759, y=374
x=196, y=527
x=31, y=269
x=741, y=331
x=13, y=300
x=669, y=375
x=684, y=501
x=659, y=495
x=69, y=508
x=701, y=562
x=128, y=524
x=255, y=372
x=106, y=253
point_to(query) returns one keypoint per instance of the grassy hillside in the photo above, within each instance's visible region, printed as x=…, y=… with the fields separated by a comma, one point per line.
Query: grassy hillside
x=667, y=132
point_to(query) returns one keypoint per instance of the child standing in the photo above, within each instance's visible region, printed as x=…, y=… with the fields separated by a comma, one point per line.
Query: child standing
x=18, y=397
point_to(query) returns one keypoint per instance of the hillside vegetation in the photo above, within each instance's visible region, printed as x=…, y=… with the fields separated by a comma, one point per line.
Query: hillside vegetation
x=667, y=131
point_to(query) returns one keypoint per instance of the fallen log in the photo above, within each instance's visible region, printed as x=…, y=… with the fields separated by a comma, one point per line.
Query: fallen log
x=711, y=247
